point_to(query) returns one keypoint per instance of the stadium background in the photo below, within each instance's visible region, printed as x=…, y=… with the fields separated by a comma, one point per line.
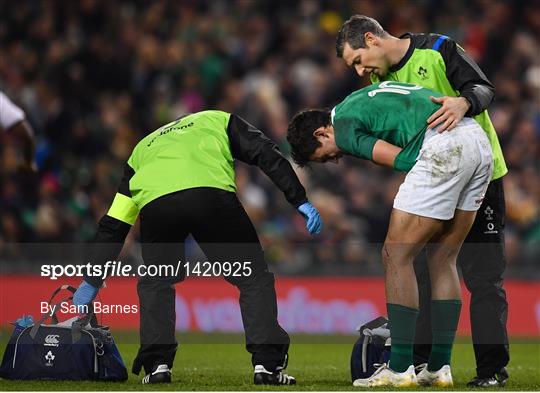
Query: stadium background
x=95, y=76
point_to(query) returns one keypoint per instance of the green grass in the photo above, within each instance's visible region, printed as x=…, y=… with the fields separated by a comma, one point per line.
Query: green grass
x=220, y=362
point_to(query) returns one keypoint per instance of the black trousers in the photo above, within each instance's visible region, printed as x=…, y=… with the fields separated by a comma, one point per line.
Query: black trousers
x=223, y=230
x=482, y=261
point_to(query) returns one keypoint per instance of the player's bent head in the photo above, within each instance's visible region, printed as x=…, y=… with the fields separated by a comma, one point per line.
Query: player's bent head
x=300, y=133
x=353, y=32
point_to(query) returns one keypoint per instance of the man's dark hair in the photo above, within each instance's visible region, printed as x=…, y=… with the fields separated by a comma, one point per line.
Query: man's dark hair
x=300, y=133
x=353, y=31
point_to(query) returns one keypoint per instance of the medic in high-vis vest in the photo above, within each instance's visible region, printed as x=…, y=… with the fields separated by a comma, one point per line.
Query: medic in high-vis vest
x=180, y=180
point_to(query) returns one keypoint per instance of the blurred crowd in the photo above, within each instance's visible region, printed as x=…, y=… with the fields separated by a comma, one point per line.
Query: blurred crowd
x=94, y=76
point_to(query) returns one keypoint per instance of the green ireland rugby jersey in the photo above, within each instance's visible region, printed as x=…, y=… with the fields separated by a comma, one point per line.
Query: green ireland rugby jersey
x=394, y=112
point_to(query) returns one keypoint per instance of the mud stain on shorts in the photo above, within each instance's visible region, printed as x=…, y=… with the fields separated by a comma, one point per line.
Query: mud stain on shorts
x=444, y=164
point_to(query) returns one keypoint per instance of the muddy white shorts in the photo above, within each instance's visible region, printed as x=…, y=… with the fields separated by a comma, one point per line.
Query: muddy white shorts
x=452, y=171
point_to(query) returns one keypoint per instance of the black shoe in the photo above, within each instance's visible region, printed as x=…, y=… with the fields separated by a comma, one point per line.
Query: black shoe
x=498, y=380
x=160, y=374
x=278, y=377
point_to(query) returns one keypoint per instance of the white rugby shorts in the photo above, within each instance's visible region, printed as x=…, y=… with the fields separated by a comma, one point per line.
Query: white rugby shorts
x=452, y=171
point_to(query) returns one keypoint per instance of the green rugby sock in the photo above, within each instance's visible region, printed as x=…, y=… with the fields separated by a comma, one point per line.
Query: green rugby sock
x=444, y=321
x=402, y=327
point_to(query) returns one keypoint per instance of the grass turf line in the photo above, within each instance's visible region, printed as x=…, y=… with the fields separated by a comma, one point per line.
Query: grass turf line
x=205, y=362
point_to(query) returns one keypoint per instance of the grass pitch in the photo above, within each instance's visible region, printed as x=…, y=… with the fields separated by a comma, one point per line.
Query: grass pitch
x=220, y=362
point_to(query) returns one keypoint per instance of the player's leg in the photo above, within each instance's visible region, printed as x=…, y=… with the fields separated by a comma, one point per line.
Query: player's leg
x=423, y=337
x=226, y=234
x=445, y=286
x=446, y=298
x=483, y=262
x=407, y=235
x=163, y=231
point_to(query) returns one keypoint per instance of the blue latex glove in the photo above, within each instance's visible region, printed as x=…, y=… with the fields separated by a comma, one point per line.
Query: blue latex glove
x=85, y=294
x=22, y=323
x=311, y=214
x=25, y=321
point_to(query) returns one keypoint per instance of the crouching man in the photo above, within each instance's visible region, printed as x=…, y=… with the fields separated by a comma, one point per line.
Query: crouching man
x=180, y=179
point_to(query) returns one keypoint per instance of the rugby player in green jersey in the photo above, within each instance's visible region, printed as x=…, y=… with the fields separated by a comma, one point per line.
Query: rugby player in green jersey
x=180, y=180
x=436, y=62
x=435, y=207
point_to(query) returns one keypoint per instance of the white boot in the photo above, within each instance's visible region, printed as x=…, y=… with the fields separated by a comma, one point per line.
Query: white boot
x=440, y=379
x=385, y=376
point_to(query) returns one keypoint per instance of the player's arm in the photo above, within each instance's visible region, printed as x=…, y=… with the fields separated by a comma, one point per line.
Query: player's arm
x=385, y=153
x=376, y=150
x=250, y=145
x=112, y=231
x=368, y=147
x=13, y=121
x=476, y=91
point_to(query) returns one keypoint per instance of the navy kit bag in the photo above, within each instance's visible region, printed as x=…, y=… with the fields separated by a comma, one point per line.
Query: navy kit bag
x=76, y=349
x=372, y=347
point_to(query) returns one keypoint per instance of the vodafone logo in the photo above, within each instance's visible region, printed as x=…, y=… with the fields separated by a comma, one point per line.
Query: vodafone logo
x=299, y=311
x=52, y=340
